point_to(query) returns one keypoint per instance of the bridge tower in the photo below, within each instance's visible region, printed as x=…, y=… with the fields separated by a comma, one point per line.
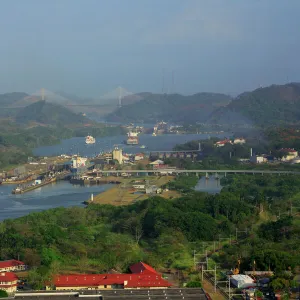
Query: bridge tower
x=120, y=96
x=43, y=94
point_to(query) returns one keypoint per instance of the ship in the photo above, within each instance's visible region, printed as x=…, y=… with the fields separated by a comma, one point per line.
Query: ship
x=90, y=140
x=143, y=147
x=132, y=138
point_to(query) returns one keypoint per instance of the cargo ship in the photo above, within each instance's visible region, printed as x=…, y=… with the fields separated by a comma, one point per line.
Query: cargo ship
x=132, y=138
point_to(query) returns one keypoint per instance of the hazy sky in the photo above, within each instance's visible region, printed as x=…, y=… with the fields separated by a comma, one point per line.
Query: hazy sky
x=89, y=47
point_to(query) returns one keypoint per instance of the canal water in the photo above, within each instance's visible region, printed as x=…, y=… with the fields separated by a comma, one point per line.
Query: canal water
x=153, y=143
x=53, y=195
x=64, y=194
x=210, y=185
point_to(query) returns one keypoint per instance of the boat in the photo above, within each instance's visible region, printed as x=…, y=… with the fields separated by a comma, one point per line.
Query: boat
x=90, y=140
x=132, y=138
x=143, y=146
x=153, y=134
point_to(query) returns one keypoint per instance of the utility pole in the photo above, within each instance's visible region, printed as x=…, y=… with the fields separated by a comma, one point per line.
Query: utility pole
x=229, y=292
x=194, y=258
x=215, y=285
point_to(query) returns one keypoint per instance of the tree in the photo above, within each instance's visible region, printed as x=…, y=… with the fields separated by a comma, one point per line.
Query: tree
x=194, y=284
x=3, y=294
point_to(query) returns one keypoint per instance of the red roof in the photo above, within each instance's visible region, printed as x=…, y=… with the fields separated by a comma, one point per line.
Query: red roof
x=141, y=267
x=8, y=277
x=128, y=280
x=10, y=263
x=143, y=276
x=288, y=150
x=223, y=142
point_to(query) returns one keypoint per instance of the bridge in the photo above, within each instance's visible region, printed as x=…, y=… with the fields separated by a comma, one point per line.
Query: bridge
x=184, y=171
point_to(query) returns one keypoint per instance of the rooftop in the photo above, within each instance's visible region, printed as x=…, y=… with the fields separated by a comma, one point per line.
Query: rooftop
x=10, y=263
x=8, y=277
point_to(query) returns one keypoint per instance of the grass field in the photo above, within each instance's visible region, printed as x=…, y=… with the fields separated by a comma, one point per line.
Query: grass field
x=123, y=194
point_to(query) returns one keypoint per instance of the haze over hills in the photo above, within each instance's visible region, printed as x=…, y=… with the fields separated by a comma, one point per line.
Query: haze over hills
x=275, y=104
x=171, y=107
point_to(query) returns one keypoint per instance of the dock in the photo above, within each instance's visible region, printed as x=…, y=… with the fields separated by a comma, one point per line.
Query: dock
x=22, y=190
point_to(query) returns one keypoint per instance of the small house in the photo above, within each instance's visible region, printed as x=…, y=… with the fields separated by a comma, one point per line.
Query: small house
x=239, y=141
x=12, y=265
x=8, y=282
x=241, y=281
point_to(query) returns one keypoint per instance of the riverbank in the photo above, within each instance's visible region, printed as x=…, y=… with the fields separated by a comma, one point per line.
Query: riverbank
x=124, y=193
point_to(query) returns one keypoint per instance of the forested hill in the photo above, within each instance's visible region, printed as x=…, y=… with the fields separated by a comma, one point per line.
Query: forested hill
x=171, y=107
x=48, y=113
x=276, y=104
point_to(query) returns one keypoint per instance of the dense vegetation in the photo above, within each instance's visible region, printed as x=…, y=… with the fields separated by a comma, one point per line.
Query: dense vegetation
x=274, y=241
x=162, y=232
x=171, y=107
x=275, y=104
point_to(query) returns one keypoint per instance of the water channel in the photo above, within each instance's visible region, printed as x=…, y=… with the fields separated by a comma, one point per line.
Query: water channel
x=153, y=143
x=53, y=195
x=64, y=194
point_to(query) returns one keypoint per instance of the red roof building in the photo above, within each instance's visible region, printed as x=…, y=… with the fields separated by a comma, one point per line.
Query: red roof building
x=141, y=267
x=143, y=276
x=223, y=143
x=8, y=282
x=12, y=265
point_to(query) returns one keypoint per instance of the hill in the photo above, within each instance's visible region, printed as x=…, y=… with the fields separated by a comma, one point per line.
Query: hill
x=172, y=108
x=43, y=112
x=275, y=104
x=10, y=99
x=8, y=103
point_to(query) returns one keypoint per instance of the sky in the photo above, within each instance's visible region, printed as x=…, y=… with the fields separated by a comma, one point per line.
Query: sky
x=89, y=47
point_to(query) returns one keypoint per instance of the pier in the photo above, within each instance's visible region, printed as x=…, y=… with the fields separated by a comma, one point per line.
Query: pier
x=28, y=188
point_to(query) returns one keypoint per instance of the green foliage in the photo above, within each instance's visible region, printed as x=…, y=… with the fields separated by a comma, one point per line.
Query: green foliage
x=183, y=183
x=194, y=284
x=3, y=294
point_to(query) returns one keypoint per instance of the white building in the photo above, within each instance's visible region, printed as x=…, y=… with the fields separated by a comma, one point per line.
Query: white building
x=258, y=159
x=290, y=154
x=151, y=189
x=79, y=162
x=139, y=156
x=138, y=186
x=241, y=281
x=118, y=155
x=239, y=141
x=12, y=265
